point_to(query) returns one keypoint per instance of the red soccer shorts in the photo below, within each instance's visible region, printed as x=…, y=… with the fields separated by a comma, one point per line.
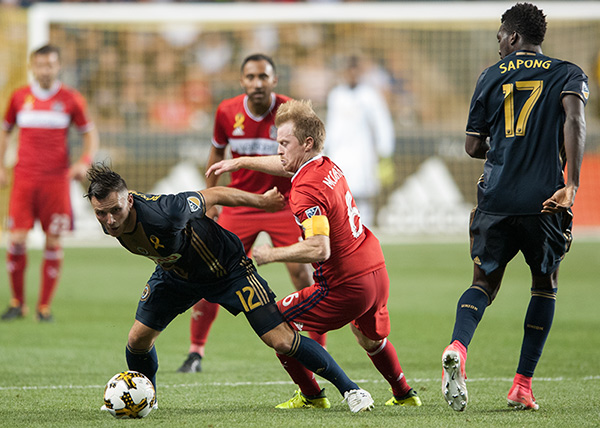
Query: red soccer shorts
x=362, y=302
x=46, y=200
x=280, y=226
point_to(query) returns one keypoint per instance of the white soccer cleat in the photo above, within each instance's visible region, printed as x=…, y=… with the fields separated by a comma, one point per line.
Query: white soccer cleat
x=359, y=400
x=454, y=386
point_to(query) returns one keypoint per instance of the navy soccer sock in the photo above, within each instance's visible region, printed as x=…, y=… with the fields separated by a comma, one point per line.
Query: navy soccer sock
x=145, y=362
x=316, y=359
x=469, y=311
x=538, y=321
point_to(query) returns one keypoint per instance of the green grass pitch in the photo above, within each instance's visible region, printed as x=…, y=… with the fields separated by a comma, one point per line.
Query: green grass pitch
x=53, y=375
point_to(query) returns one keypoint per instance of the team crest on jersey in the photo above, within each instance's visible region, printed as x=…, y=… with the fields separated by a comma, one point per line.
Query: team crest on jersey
x=145, y=293
x=313, y=212
x=273, y=132
x=585, y=90
x=194, y=203
x=28, y=103
x=238, y=126
x=58, y=106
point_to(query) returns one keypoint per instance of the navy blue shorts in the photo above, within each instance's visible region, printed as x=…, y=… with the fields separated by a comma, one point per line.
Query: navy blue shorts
x=166, y=295
x=543, y=239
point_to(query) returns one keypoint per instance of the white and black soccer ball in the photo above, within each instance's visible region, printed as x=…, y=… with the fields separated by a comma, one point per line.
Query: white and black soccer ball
x=129, y=394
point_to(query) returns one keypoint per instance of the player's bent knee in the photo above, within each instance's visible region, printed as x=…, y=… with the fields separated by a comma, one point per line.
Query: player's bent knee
x=280, y=338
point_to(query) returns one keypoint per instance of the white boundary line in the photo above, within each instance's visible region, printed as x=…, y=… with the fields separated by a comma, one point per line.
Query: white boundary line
x=266, y=383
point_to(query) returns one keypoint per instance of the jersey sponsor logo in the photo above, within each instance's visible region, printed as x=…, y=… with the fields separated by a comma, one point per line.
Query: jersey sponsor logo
x=145, y=293
x=238, y=125
x=165, y=259
x=28, y=103
x=585, y=90
x=44, y=119
x=313, y=211
x=524, y=63
x=253, y=146
x=332, y=177
x=193, y=203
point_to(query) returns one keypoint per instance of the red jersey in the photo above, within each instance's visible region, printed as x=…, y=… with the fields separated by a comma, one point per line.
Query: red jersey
x=44, y=117
x=320, y=188
x=248, y=135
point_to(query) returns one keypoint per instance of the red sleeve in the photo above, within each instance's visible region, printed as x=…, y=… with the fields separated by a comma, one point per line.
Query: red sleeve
x=220, y=138
x=10, y=117
x=80, y=115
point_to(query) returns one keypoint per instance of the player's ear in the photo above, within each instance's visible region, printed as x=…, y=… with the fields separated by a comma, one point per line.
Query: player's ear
x=129, y=200
x=275, y=80
x=309, y=143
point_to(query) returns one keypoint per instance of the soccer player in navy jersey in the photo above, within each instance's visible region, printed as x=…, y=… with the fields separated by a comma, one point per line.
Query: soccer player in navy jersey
x=527, y=120
x=198, y=259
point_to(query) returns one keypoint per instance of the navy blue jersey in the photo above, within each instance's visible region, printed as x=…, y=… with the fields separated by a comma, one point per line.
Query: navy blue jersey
x=517, y=104
x=173, y=231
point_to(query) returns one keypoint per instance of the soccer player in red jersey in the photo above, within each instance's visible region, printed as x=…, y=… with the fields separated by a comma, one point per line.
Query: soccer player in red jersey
x=245, y=123
x=351, y=281
x=43, y=111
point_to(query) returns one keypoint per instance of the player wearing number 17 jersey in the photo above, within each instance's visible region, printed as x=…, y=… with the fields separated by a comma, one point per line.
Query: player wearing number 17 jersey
x=351, y=281
x=527, y=120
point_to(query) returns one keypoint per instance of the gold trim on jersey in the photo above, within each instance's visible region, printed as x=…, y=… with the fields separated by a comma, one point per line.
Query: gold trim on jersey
x=316, y=225
x=207, y=256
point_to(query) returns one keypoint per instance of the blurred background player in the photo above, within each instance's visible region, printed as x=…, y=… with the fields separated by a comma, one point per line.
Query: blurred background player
x=246, y=124
x=527, y=120
x=43, y=111
x=351, y=281
x=360, y=137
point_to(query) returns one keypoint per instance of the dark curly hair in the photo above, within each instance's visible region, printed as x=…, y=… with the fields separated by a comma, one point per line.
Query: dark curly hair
x=103, y=181
x=527, y=20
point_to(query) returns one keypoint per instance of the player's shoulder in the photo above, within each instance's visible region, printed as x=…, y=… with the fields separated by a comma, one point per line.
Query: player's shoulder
x=280, y=99
x=233, y=102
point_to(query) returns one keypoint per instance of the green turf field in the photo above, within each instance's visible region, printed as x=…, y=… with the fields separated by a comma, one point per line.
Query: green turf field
x=54, y=374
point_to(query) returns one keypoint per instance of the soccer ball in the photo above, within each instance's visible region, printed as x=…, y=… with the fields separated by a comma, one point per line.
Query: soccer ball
x=129, y=394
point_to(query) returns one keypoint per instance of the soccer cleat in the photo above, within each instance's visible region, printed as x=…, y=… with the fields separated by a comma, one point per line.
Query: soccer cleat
x=301, y=401
x=521, y=398
x=454, y=386
x=14, y=312
x=410, y=399
x=359, y=400
x=44, y=315
x=191, y=364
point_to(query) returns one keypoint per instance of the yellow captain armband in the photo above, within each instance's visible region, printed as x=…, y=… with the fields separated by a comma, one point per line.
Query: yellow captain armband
x=316, y=225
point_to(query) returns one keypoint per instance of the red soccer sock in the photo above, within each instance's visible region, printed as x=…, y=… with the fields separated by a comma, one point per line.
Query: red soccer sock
x=51, y=266
x=320, y=338
x=301, y=376
x=204, y=314
x=16, y=262
x=386, y=361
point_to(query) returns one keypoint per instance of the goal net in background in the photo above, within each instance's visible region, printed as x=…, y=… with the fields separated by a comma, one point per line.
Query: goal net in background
x=154, y=74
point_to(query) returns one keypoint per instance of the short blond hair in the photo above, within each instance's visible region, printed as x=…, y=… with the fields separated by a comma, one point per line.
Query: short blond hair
x=306, y=122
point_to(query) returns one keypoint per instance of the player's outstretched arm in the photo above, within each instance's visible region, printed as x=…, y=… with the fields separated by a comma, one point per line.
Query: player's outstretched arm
x=269, y=201
x=310, y=250
x=267, y=164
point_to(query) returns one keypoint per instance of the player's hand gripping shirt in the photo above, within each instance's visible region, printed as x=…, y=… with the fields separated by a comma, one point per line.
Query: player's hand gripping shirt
x=44, y=117
x=172, y=231
x=248, y=135
x=517, y=103
x=319, y=189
